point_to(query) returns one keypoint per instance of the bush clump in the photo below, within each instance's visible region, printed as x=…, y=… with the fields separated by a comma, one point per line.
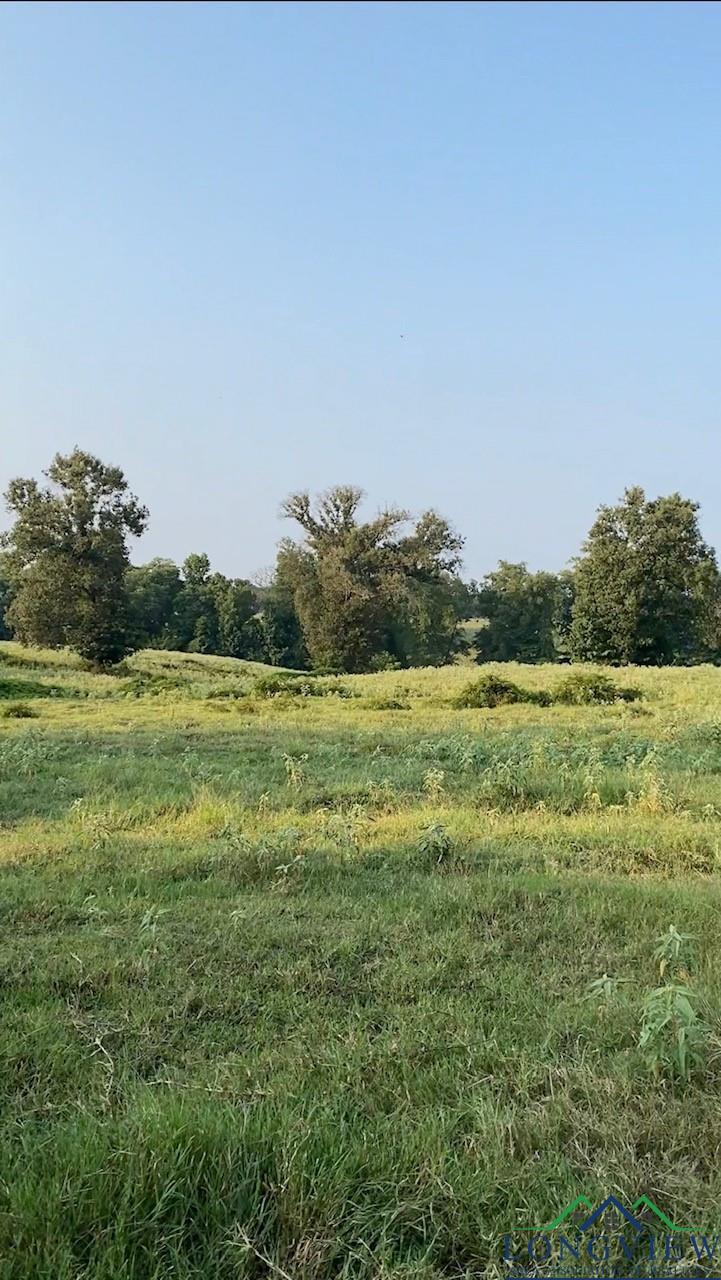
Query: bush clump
x=306, y=686
x=19, y=711
x=229, y=691
x=592, y=689
x=491, y=691
x=578, y=689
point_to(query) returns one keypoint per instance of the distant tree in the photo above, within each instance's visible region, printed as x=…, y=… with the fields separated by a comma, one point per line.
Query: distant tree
x=67, y=555
x=647, y=585
x=205, y=637
x=422, y=625
x=194, y=610
x=196, y=617
x=523, y=612
x=196, y=569
x=465, y=597
x=235, y=607
x=282, y=638
x=362, y=589
x=563, y=618
x=6, y=596
x=153, y=591
x=423, y=597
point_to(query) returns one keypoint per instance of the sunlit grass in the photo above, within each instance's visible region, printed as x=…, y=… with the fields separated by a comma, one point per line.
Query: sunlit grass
x=299, y=982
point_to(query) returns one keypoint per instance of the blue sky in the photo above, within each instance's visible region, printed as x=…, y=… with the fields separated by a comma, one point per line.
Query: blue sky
x=217, y=221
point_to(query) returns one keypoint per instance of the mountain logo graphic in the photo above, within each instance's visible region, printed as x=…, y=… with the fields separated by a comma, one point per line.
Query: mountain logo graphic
x=643, y=1215
x=588, y=1240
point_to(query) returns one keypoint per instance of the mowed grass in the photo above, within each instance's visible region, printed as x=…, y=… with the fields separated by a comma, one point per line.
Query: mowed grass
x=297, y=985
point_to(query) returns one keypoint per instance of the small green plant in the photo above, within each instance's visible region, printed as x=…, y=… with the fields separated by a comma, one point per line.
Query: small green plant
x=592, y=780
x=604, y=988
x=23, y=754
x=436, y=844
x=433, y=783
x=294, y=771
x=347, y=830
x=151, y=919
x=19, y=711
x=669, y=949
x=96, y=826
x=673, y=1037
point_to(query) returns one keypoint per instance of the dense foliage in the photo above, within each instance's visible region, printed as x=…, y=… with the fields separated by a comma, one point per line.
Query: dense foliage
x=353, y=594
x=370, y=593
x=647, y=585
x=527, y=615
x=191, y=609
x=6, y=595
x=67, y=557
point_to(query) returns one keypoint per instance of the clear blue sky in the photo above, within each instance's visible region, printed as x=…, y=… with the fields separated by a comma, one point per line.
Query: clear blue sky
x=217, y=220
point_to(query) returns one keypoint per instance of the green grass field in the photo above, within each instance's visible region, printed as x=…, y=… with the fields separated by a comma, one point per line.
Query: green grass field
x=297, y=985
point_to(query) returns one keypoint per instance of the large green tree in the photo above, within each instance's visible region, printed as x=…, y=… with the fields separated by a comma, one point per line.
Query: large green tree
x=283, y=644
x=153, y=591
x=194, y=610
x=647, y=585
x=524, y=614
x=369, y=591
x=67, y=555
x=235, y=608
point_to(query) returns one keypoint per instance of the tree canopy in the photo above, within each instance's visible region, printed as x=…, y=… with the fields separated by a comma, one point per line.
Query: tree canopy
x=352, y=594
x=526, y=614
x=647, y=585
x=67, y=556
x=369, y=592
x=192, y=609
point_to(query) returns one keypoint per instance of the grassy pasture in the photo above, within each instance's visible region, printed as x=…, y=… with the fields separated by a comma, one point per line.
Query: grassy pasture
x=297, y=985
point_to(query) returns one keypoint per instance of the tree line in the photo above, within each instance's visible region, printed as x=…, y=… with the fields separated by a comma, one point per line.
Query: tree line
x=351, y=594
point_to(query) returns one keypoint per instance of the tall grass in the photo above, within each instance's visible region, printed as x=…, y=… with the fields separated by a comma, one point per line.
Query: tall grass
x=297, y=985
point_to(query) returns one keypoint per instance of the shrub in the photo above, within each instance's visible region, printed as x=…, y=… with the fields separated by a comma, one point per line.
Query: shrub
x=229, y=691
x=541, y=697
x=153, y=684
x=490, y=691
x=384, y=662
x=592, y=689
x=629, y=693
x=272, y=686
x=386, y=704
x=435, y=845
x=579, y=689
x=19, y=711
